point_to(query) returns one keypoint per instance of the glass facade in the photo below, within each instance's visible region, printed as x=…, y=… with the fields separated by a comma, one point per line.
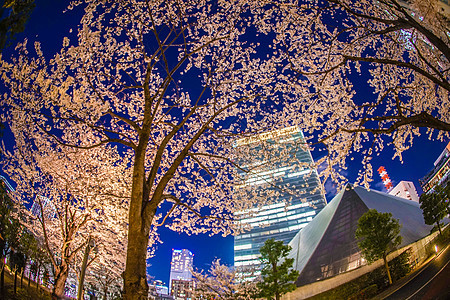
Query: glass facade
x=180, y=266
x=440, y=174
x=277, y=178
x=327, y=246
x=338, y=250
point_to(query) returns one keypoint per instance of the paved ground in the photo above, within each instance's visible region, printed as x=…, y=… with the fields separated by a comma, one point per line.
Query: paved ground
x=431, y=281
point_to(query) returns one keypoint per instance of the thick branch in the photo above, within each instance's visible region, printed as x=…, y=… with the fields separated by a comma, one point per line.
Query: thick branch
x=385, y=61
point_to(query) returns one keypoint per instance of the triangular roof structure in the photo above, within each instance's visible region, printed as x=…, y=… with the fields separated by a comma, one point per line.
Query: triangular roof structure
x=327, y=245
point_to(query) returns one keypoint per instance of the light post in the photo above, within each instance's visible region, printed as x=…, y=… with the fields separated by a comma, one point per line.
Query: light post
x=90, y=244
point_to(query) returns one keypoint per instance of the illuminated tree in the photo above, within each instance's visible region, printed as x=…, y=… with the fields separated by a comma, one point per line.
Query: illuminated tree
x=379, y=234
x=222, y=282
x=121, y=82
x=435, y=205
x=74, y=199
x=171, y=85
x=106, y=280
x=370, y=74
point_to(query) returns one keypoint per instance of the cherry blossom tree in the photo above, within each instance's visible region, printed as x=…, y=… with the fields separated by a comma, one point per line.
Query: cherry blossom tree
x=172, y=85
x=106, y=279
x=74, y=198
x=222, y=282
x=371, y=73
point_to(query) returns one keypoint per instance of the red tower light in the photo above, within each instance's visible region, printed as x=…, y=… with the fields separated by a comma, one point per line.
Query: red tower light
x=385, y=178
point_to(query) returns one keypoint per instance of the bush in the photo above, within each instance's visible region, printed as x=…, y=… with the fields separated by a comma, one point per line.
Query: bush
x=368, y=285
x=377, y=277
x=400, y=266
x=366, y=293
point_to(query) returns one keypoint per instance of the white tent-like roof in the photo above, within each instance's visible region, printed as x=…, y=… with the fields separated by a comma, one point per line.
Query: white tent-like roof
x=327, y=245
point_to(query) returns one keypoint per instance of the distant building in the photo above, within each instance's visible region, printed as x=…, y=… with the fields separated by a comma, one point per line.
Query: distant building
x=8, y=186
x=439, y=174
x=47, y=206
x=181, y=266
x=182, y=289
x=158, y=291
x=285, y=172
x=405, y=190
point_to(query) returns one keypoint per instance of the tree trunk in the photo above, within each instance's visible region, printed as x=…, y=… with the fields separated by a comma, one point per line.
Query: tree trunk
x=387, y=269
x=21, y=277
x=135, y=279
x=135, y=275
x=37, y=277
x=2, y=278
x=105, y=293
x=439, y=227
x=60, y=282
x=15, y=281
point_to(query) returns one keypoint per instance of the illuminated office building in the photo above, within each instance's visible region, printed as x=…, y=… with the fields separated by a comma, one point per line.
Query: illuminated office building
x=182, y=289
x=47, y=206
x=278, y=167
x=8, y=186
x=180, y=267
x=439, y=174
x=405, y=190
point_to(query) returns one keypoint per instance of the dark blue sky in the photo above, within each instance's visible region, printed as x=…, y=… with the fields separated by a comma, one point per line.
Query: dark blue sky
x=49, y=25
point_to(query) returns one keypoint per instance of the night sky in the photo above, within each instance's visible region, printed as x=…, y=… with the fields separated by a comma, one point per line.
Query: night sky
x=49, y=25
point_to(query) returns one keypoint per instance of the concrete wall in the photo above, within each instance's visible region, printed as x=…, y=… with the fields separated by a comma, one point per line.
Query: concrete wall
x=418, y=255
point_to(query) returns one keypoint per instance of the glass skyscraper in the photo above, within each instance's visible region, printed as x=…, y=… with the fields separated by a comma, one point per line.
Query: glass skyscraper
x=278, y=178
x=180, y=266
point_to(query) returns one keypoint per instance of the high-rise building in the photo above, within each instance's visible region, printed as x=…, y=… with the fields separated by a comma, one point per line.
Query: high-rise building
x=405, y=190
x=276, y=167
x=7, y=185
x=181, y=265
x=47, y=206
x=182, y=289
x=158, y=291
x=439, y=174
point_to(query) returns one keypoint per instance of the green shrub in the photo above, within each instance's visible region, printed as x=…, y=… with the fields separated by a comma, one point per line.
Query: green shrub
x=400, y=266
x=368, y=285
x=366, y=293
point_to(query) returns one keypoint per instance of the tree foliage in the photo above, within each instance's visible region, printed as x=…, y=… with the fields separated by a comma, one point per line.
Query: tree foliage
x=171, y=85
x=14, y=15
x=277, y=276
x=222, y=283
x=379, y=234
x=9, y=225
x=435, y=206
x=371, y=75
x=73, y=198
x=105, y=279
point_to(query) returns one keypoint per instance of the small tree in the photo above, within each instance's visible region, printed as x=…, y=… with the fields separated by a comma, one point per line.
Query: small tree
x=222, y=282
x=435, y=205
x=380, y=234
x=277, y=279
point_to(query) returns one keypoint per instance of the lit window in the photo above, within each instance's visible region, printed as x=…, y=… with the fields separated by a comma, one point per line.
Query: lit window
x=243, y=247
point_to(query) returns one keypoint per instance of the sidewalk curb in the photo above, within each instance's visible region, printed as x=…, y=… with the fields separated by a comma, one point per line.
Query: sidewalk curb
x=413, y=275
